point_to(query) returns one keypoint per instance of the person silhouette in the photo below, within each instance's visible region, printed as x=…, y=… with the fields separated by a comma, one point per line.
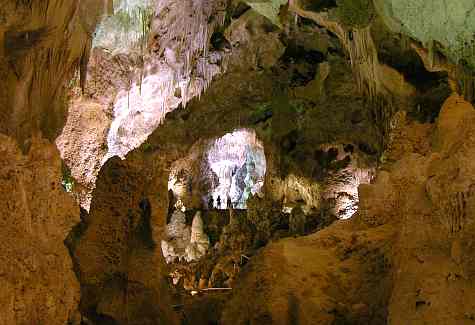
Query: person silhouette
x=210, y=202
x=218, y=202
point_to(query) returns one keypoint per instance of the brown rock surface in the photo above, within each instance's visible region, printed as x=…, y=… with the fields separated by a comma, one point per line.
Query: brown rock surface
x=118, y=256
x=83, y=145
x=405, y=256
x=42, y=44
x=38, y=285
x=315, y=279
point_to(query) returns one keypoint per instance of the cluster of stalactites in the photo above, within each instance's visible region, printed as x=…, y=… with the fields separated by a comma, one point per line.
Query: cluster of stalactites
x=367, y=71
x=238, y=161
x=178, y=68
x=234, y=146
x=364, y=60
x=183, y=31
x=125, y=27
x=359, y=45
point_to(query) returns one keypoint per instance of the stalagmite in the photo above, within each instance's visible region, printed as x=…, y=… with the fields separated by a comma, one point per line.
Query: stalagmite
x=199, y=242
x=177, y=238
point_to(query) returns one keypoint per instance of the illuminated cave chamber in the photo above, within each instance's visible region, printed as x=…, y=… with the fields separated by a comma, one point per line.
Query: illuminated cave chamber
x=223, y=172
x=238, y=161
x=337, y=172
x=215, y=175
x=347, y=168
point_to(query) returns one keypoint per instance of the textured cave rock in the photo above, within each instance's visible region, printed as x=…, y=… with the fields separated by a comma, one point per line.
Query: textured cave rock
x=457, y=18
x=83, y=141
x=38, y=284
x=43, y=44
x=141, y=106
x=176, y=136
x=449, y=48
x=177, y=237
x=184, y=243
x=38, y=58
x=433, y=257
x=373, y=78
x=318, y=279
x=333, y=91
x=117, y=255
x=268, y=8
x=199, y=241
x=404, y=258
x=125, y=29
x=238, y=160
x=143, y=90
x=232, y=166
x=180, y=35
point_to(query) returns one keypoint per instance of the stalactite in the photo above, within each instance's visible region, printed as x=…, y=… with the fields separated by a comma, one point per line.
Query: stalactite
x=364, y=61
x=430, y=47
x=467, y=79
x=191, y=22
x=359, y=46
x=405, y=42
x=181, y=33
x=83, y=64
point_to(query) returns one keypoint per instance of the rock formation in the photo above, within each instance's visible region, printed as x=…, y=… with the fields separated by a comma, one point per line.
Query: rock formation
x=42, y=44
x=341, y=133
x=199, y=241
x=404, y=249
x=181, y=244
x=178, y=235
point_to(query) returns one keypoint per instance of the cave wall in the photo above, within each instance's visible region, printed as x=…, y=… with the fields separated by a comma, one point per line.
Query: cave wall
x=404, y=258
x=42, y=45
x=433, y=263
x=83, y=140
x=117, y=253
x=38, y=283
x=102, y=255
x=422, y=206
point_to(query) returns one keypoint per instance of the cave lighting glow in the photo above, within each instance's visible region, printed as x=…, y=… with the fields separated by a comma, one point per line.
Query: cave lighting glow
x=347, y=205
x=239, y=161
x=183, y=72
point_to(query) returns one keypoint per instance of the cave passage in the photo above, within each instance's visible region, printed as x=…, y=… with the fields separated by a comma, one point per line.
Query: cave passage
x=222, y=173
x=238, y=161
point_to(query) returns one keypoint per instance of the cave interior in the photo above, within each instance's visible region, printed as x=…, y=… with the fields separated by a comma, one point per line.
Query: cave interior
x=237, y=162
